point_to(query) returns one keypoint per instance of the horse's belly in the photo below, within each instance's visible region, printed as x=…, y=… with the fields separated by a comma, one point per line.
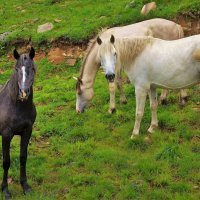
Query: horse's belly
x=178, y=82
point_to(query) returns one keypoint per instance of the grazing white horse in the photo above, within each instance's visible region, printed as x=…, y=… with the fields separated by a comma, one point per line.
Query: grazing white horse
x=158, y=28
x=150, y=63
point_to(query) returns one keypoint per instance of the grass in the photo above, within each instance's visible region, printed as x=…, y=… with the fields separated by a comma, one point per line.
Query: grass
x=91, y=156
x=79, y=20
x=70, y=159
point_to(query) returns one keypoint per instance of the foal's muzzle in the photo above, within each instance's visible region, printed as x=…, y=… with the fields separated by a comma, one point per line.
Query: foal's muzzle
x=24, y=93
x=110, y=77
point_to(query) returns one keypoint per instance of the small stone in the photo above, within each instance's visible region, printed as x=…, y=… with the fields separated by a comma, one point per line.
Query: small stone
x=35, y=20
x=102, y=17
x=195, y=187
x=148, y=7
x=45, y=27
x=57, y=20
x=71, y=61
x=197, y=109
x=132, y=4
x=18, y=8
x=4, y=35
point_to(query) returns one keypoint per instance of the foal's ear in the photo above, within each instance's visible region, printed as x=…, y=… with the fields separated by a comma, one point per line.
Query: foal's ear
x=112, y=39
x=99, y=41
x=32, y=53
x=16, y=54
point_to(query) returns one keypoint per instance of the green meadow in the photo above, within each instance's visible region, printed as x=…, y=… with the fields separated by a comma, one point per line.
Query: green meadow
x=90, y=156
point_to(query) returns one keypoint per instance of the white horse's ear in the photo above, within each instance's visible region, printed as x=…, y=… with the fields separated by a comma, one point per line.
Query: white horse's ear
x=112, y=39
x=99, y=41
x=75, y=78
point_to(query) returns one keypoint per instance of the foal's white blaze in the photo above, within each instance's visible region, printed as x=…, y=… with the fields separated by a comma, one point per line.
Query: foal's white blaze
x=23, y=75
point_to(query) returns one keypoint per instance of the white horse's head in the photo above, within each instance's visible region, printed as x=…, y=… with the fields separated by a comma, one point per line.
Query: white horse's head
x=108, y=57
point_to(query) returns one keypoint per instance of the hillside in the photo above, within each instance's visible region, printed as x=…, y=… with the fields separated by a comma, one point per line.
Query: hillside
x=90, y=156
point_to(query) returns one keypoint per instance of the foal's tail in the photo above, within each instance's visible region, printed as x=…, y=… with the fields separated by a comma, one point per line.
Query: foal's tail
x=180, y=31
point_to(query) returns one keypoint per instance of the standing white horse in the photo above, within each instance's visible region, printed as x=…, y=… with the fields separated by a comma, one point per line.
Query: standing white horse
x=150, y=63
x=159, y=28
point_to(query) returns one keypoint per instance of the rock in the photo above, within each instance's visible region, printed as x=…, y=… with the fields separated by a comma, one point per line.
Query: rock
x=148, y=7
x=45, y=27
x=57, y=20
x=4, y=35
x=35, y=20
x=71, y=61
x=197, y=109
x=132, y=4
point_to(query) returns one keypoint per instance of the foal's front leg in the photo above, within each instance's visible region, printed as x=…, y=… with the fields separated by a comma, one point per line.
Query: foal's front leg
x=140, y=104
x=25, y=137
x=6, y=140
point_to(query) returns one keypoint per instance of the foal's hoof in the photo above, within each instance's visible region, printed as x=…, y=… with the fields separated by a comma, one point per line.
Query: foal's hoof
x=7, y=194
x=112, y=110
x=26, y=188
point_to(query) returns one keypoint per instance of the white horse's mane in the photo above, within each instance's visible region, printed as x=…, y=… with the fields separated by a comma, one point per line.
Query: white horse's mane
x=127, y=49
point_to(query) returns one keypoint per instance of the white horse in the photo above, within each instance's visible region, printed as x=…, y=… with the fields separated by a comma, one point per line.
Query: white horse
x=150, y=63
x=159, y=28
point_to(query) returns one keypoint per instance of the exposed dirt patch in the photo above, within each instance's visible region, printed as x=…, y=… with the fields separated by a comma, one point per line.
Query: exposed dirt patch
x=66, y=54
x=56, y=56
x=190, y=23
x=65, y=51
x=1, y=71
x=39, y=56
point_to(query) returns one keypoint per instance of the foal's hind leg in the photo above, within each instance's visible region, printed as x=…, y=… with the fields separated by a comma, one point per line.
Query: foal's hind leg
x=6, y=140
x=25, y=137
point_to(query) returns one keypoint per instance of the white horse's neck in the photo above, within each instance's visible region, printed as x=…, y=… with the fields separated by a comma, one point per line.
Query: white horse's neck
x=90, y=68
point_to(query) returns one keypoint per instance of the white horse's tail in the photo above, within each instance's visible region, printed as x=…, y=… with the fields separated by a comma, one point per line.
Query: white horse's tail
x=196, y=55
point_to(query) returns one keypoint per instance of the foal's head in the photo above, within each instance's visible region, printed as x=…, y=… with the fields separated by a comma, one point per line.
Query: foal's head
x=108, y=57
x=25, y=70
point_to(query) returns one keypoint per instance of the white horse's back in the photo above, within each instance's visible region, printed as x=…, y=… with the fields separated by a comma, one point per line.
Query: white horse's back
x=170, y=64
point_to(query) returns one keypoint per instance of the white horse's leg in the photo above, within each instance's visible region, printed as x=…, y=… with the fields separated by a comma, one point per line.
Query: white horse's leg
x=153, y=106
x=183, y=97
x=123, y=99
x=112, y=97
x=163, y=97
x=140, y=103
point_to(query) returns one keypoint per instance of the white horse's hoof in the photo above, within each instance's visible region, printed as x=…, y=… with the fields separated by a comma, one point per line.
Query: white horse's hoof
x=134, y=136
x=152, y=128
x=147, y=139
x=123, y=100
x=112, y=110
